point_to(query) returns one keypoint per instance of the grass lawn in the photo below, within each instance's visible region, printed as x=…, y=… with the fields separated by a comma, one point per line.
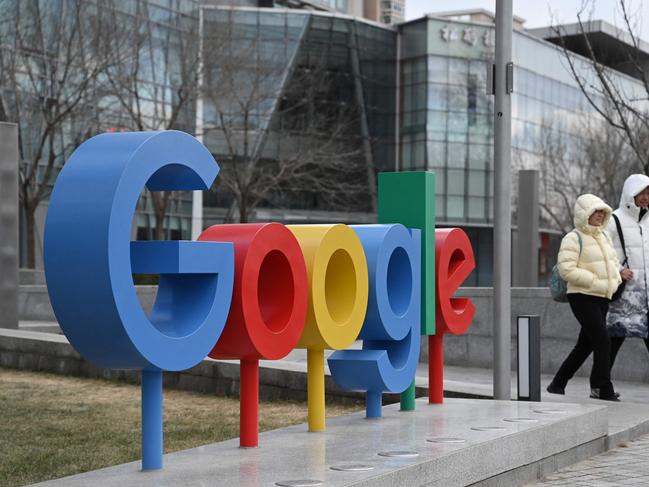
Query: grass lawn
x=52, y=425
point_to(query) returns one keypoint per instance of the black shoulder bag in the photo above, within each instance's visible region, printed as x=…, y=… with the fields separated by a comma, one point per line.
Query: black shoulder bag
x=620, y=289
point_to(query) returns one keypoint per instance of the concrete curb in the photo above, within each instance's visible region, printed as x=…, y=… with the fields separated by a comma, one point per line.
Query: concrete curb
x=50, y=352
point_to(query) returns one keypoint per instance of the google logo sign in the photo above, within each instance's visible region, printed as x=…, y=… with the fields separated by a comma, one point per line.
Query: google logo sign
x=248, y=291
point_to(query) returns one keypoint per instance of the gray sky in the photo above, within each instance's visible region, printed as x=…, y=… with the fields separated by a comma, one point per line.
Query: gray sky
x=540, y=13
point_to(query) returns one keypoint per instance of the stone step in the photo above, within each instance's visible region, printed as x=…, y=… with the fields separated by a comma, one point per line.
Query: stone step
x=460, y=442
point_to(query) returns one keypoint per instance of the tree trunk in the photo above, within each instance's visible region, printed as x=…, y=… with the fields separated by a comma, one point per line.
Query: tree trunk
x=158, y=232
x=159, y=210
x=243, y=209
x=30, y=230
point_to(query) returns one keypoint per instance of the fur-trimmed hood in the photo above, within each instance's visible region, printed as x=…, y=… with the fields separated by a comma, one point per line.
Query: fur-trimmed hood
x=633, y=186
x=585, y=206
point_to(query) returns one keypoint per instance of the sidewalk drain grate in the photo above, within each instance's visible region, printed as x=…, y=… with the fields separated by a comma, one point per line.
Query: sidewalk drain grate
x=299, y=483
x=488, y=428
x=399, y=453
x=446, y=440
x=521, y=420
x=352, y=467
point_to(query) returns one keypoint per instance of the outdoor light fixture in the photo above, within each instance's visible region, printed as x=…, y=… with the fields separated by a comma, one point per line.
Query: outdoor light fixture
x=529, y=358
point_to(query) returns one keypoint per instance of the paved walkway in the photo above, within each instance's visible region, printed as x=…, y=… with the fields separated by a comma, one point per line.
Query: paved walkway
x=624, y=465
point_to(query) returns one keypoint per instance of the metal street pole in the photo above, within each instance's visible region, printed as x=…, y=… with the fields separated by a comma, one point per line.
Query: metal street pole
x=197, y=196
x=503, y=84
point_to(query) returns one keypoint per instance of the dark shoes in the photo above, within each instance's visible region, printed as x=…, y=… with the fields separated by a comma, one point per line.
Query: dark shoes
x=595, y=394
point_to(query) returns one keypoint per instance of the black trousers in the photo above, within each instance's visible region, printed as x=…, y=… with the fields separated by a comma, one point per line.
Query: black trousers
x=590, y=311
x=616, y=343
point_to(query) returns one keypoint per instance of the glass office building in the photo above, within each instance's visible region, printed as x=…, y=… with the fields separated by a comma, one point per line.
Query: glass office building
x=405, y=97
x=436, y=86
x=446, y=121
x=284, y=84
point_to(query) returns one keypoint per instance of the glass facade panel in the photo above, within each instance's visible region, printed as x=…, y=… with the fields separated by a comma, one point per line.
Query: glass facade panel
x=438, y=97
x=455, y=208
x=458, y=122
x=436, y=134
x=457, y=98
x=458, y=70
x=419, y=97
x=480, y=156
x=437, y=69
x=440, y=180
x=437, y=123
x=440, y=207
x=419, y=155
x=455, y=182
x=477, y=183
x=414, y=40
x=436, y=154
x=457, y=152
x=476, y=210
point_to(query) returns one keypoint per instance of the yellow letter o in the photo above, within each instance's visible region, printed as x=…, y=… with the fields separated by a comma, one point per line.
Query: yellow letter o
x=338, y=285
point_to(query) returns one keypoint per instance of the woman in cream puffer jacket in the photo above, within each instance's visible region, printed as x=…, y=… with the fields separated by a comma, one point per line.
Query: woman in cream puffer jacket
x=591, y=267
x=589, y=264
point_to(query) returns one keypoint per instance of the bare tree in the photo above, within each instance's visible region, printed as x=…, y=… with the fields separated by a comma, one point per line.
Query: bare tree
x=50, y=59
x=594, y=159
x=624, y=107
x=284, y=129
x=153, y=84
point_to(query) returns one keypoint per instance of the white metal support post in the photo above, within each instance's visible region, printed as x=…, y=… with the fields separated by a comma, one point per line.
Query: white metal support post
x=197, y=196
